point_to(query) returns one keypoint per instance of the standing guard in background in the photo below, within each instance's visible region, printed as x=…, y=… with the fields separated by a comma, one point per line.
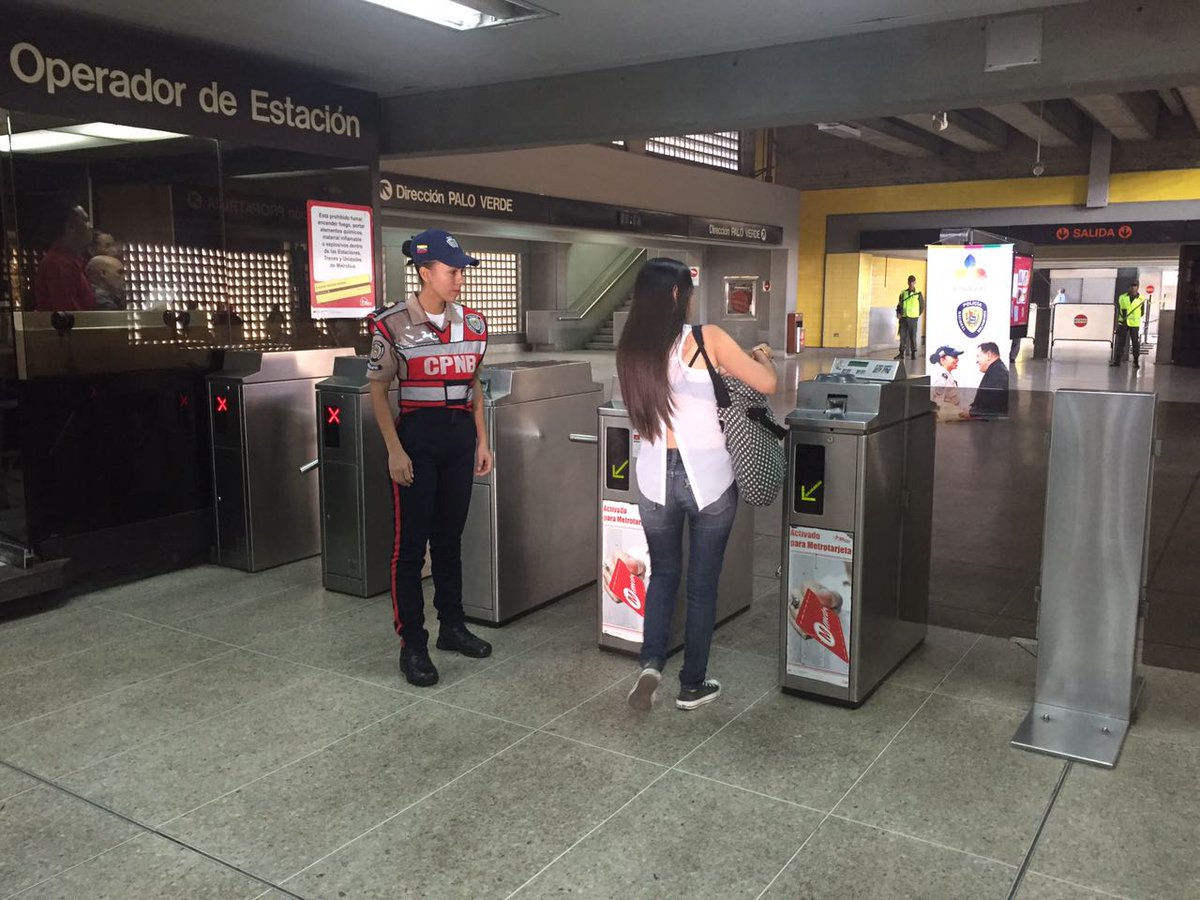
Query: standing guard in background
x=1129, y=325
x=909, y=310
x=434, y=346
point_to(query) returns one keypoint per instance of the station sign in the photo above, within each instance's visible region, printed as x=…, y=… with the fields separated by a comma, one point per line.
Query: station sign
x=397, y=191
x=96, y=72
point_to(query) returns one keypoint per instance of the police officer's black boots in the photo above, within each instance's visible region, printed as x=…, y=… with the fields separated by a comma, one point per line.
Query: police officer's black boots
x=417, y=667
x=457, y=638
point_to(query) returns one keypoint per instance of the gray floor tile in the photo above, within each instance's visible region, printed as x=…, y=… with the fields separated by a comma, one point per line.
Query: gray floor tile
x=577, y=606
x=281, y=823
x=926, y=666
x=1169, y=708
x=767, y=555
x=87, y=732
x=179, y=596
x=766, y=587
x=489, y=832
x=848, y=861
x=994, y=671
x=802, y=750
x=1041, y=887
x=1131, y=830
x=41, y=638
x=544, y=682
x=666, y=734
x=754, y=631
x=70, y=679
x=961, y=619
x=684, y=837
x=44, y=831
x=285, y=609
x=951, y=777
x=148, y=867
x=13, y=782
x=165, y=778
x=341, y=639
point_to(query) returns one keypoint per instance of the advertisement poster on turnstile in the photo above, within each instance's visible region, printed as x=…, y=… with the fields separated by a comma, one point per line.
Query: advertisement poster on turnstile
x=969, y=306
x=625, y=571
x=820, y=604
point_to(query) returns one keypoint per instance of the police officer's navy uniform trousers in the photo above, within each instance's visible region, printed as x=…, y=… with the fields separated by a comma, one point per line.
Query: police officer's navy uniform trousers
x=436, y=427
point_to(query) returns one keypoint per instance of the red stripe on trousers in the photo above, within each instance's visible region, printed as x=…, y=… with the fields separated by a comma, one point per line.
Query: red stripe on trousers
x=396, y=559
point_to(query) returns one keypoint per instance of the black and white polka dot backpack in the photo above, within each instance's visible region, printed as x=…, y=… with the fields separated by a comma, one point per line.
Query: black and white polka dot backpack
x=753, y=437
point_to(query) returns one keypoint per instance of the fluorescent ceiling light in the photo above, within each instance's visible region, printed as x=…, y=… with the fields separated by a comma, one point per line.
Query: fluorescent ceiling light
x=839, y=129
x=468, y=15
x=126, y=133
x=47, y=141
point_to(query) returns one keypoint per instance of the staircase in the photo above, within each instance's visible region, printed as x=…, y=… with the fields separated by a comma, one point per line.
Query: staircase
x=603, y=338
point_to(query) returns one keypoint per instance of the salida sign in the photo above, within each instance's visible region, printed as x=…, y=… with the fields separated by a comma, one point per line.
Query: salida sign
x=1094, y=233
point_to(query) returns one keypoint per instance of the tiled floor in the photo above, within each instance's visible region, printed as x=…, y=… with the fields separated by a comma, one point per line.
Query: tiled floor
x=211, y=734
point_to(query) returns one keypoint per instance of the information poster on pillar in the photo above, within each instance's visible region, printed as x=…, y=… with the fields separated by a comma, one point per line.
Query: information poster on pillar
x=1022, y=275
x=969, y=310
x=341, y=261
x=820, y=604
x=625, y=571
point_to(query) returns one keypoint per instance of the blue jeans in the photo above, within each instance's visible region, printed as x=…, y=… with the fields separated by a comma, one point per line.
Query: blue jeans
x=708, y=534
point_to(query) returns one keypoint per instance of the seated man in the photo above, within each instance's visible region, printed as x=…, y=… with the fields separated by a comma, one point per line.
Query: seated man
x=106, y=275
x=60, y=283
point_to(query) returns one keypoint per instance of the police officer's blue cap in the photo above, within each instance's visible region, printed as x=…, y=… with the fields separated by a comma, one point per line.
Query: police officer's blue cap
x=435, y=245
x=945, y=350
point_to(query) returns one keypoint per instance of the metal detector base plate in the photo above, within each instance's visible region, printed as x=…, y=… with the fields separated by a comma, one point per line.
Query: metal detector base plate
x=1071, y=734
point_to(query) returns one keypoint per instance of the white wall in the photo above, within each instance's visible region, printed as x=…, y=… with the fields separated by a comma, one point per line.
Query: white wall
x=606, y=175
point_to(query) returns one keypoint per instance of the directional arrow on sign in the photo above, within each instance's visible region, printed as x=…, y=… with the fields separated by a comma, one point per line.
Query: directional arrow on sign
x=619, y=471
x=807, y=493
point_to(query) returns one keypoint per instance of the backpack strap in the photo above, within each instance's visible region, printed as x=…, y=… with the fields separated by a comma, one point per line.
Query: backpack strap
x=718, y=383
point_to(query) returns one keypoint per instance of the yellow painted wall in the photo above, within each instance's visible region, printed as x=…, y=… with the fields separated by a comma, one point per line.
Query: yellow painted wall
x=816, y=206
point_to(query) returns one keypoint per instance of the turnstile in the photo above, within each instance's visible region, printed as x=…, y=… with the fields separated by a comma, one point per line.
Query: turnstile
x=263, y=431
x=358, y=532
x=624, y=562
x=857, y=517
x=529, y=533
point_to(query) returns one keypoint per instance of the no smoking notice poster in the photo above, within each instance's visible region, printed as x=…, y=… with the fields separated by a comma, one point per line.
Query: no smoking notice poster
x=341, y=261
x=820, y=604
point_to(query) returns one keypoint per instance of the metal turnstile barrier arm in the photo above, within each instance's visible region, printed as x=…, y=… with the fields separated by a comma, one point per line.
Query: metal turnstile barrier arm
x=1093, y=576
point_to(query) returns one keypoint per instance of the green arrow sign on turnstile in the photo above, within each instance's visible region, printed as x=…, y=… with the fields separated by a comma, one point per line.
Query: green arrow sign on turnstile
x=808, y=493
x=616, y=459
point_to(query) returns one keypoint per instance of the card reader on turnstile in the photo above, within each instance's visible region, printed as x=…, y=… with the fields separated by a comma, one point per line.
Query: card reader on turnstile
x=857, y=516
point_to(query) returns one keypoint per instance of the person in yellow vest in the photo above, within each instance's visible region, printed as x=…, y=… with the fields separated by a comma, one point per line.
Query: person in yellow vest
x=1130, y=306
x=909, y=310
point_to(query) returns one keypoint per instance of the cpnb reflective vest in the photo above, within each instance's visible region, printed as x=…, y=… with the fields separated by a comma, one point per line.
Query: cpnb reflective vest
x=910, y=302
x=1131, y=309
x=435, y=366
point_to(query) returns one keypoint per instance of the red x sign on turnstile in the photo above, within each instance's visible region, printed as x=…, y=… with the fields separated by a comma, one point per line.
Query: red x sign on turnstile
x=222, y=404
x=333, y=415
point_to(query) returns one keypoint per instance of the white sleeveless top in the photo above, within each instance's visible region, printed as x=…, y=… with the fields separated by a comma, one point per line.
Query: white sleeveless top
x=698, y=436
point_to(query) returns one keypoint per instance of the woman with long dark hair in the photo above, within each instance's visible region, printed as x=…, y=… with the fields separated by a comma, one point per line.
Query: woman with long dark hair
x=683, y=470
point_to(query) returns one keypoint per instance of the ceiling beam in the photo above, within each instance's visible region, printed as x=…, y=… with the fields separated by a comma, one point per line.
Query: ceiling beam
x=975, y=130
x=1170, y=99
x=1058, y=123
x=1191, y=99
x=1129, y=117
x=897, y=138
x=1099, y=47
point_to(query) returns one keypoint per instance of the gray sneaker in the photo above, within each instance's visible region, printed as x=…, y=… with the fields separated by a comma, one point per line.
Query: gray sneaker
x=705, y=692
x=641, y=695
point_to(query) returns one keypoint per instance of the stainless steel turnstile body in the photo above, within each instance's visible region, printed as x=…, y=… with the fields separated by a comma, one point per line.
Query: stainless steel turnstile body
x=263, y=431
x=857, y=517
x=358, y=532
x=530, y=531
x=622, y=547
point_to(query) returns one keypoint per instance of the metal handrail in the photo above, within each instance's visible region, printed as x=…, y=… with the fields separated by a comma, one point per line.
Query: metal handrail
x=575, y=317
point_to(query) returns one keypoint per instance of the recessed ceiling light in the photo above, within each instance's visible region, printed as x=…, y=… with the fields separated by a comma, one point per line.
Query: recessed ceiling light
x=466, y=15
x=127, y=133
x=47, y=141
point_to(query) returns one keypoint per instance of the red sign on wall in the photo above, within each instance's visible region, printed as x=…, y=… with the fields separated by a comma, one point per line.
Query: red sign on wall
x=1080, y=320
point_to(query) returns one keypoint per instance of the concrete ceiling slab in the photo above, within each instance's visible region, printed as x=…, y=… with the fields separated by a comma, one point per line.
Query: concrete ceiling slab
x=1057, y=123
x=1128, y=117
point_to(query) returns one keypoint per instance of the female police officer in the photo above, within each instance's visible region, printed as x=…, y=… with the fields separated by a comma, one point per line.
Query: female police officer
x=434, y=346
